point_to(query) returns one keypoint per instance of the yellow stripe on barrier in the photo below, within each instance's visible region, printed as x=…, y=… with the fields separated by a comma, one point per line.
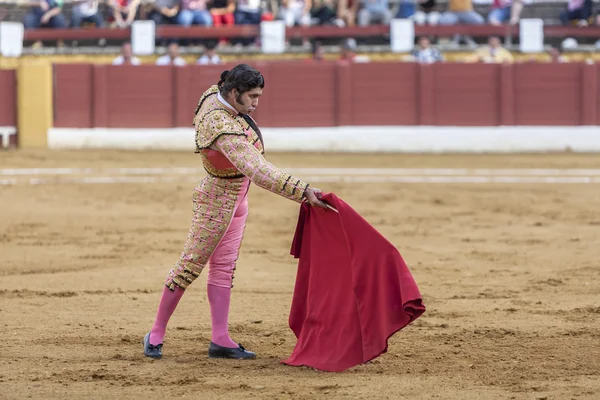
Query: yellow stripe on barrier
x=459, y=56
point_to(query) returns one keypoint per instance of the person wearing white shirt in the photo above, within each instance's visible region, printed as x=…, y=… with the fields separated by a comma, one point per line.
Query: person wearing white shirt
x=295, y=12
x=172, y=57
x=126, y=56
x=210, y=56
x=86, y=11
x=248, y=12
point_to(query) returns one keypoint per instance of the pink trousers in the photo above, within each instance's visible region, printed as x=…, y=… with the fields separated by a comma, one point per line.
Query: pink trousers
x=215, y=236
x=220, y=212
x=221, y=264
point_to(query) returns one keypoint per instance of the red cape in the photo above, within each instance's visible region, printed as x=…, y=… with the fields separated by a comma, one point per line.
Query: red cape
x=353, y=290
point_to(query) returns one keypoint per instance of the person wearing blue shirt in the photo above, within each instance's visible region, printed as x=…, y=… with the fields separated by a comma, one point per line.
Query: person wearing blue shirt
x=48, y=13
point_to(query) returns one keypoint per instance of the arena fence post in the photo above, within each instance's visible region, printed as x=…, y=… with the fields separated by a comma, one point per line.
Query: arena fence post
x=34, y=104
x=589, y=94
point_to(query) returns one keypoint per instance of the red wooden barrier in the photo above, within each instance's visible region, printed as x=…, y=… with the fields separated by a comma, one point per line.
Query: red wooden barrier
x=73, y=100
x=596, y=89
x=8, y=98
x=331, y=94
x=550, y=31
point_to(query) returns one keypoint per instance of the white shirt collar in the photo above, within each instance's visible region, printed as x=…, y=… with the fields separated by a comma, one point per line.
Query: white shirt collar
x=222, y=100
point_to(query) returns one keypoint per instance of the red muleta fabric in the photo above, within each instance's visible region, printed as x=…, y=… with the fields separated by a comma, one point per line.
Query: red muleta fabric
x=353, y=290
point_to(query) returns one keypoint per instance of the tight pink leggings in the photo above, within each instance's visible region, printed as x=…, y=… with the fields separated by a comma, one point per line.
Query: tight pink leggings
x=219, y=281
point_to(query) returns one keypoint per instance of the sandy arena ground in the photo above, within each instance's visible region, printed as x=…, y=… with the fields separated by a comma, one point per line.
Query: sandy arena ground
x=508, y=272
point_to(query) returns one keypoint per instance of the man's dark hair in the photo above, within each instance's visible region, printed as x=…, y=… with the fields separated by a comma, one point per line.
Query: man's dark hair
x=241, y=77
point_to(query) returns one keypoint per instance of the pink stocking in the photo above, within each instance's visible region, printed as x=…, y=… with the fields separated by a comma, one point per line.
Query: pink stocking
x=168, y=303
x=219, y=299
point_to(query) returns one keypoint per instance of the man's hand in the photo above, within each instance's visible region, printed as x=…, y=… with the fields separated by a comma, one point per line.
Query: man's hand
x=45, y=18
x=312, y=196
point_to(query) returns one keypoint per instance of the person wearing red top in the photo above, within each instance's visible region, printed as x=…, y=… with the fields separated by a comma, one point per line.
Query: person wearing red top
x=505, y=10
x=124, y=11
x=222, y=14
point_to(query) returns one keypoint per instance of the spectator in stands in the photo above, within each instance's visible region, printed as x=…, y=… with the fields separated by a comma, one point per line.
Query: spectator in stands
x=492, y=53
x=425, y=13
x=505, y=10
x=349, y=55
x=88, y=12
x=126, y=57
x=295, y=12
x=124, y=11
x=164, y=11
x=222, y=14
x=325, y=12
x=194, y=12
x=374, y=11
x=317, y=52
x=347, y=11
x=556, y=56
x=46, y=14
x=210, y=56
x=248, y=12
x=461, y=11
x=425, y=54
x=578, y=11
x=172, y=57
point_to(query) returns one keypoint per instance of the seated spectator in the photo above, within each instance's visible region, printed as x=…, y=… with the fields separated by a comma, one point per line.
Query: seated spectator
x=126, y=57
x=222, y=14
x=425, y=54
x=210, y=56
x=492, y=53
x=248, y=12
x=374, y=11
x=317, y=52
x=324, y=13
x=295, y=12
x=461, y=11
x=347, y=10
x=172, y=57
x=124, y=11
x=556, y=56
x=194, y=12
x=46, y=14
x=86, y=11
x=349, y=53
x=579, y=11
x=505, y=10
x=425, y=13
x=164, y=12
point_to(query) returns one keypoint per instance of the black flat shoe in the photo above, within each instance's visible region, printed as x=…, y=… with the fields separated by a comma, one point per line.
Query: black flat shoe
x=151, y=350
x=239, y=353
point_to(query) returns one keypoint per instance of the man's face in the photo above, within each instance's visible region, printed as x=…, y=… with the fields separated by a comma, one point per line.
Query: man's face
x=246, y=102
x=424, y=43
x=318, y=54
x=126, y=51
x=494, y=42
x=173, y=50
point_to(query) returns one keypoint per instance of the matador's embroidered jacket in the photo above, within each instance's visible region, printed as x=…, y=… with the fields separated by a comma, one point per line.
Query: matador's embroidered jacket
x=231, y=148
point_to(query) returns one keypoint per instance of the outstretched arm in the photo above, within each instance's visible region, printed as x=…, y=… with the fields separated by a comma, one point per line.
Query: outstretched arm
x=248, y=160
